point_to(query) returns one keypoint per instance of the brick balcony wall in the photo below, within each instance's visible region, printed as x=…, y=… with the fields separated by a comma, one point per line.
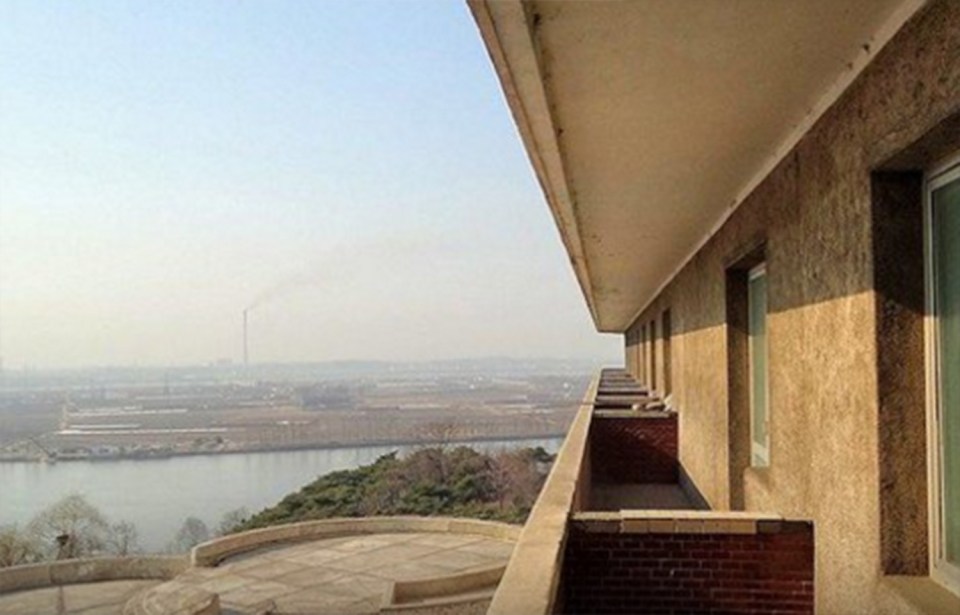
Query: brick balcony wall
x=770, y=571
x=634, y=449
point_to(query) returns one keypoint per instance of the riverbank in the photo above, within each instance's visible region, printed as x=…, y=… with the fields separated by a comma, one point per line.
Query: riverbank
x=320, y=446
x=156, y=495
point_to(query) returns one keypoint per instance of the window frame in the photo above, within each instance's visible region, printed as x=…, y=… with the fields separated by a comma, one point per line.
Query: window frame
x=642, y=354
x=653, y=355
x=666, y=332
x=756, y=450
x=942, y=571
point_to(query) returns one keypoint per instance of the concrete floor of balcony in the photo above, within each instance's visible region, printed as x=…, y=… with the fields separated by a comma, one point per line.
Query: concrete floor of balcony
x=618, y=496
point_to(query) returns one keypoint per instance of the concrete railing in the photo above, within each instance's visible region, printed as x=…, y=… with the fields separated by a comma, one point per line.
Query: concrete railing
x=212, y=552
x=530, y=582
x=90, y=570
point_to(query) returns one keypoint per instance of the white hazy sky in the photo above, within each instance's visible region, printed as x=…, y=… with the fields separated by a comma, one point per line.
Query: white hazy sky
x=350, y=167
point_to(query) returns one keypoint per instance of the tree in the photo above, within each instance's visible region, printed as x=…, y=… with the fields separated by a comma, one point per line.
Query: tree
x=191, y=533
x=441, y=434
x=515, y=478
x=123, y=539
x=18, y=547
x=429, y=481
x=231, y=521
x=69, y=528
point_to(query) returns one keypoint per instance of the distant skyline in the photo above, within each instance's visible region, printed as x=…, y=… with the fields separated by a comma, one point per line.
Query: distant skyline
x=348, y=170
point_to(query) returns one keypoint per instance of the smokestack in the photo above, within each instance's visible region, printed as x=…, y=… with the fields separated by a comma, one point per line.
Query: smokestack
x=246, y=349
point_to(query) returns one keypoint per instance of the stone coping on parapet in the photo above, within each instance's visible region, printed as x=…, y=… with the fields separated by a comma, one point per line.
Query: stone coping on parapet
x=212, y=552
x=684, y=522
x=607, y=387
x=624, y=403
x=633, y=414
x=90, y=570
x=529, y=584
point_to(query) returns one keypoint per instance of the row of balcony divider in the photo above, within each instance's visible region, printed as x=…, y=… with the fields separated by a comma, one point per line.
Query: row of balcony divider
x=619, y=527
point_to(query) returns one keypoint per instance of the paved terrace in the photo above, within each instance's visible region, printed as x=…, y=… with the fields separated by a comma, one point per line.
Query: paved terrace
x=340, y=575
x=339, y=566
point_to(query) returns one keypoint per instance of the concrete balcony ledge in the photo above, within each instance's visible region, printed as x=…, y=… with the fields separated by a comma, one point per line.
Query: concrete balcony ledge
x=531, y=581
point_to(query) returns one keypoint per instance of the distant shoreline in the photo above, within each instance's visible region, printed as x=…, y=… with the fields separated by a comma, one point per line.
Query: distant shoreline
x=314, y=446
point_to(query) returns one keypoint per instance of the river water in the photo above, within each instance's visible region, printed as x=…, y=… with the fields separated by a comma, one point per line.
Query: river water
x=156, y=495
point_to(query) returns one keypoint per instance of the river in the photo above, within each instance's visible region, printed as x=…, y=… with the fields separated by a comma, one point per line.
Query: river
x=156, y=495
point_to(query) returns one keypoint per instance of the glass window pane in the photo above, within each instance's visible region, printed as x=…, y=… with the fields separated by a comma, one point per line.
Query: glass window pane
x=946, y=225
x=758, y=365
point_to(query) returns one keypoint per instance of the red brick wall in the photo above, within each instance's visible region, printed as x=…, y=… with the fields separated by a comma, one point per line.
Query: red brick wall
x=634, y=449
x=689, y=573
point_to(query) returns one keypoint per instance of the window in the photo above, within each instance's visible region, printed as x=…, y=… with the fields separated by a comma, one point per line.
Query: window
x=744, y=263
x=757, y=348
x=943, y=297
x=666, y=326
x=634, y=358
x=653, y=355
x=641, y=354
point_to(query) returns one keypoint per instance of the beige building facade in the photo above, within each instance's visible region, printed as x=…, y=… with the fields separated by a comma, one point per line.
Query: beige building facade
x=763, y=198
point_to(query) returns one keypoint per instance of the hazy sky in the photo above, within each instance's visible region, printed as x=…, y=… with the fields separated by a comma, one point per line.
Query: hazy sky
x=350, y=167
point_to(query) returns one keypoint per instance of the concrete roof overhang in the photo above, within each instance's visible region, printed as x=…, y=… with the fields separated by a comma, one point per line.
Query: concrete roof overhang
x=648, y=122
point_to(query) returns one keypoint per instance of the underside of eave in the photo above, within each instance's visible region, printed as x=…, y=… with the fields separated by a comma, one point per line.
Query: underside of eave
x=668, y=197
x=539, y=136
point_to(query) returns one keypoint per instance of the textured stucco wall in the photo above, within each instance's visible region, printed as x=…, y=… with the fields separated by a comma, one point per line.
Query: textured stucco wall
x=813, y=214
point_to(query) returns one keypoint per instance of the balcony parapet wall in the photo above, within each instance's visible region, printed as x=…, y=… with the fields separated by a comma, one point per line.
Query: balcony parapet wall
x=687, y=562
x=531, y=581
x=634, y=447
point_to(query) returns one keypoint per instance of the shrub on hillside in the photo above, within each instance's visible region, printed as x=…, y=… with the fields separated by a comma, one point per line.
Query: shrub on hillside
x=458, y=482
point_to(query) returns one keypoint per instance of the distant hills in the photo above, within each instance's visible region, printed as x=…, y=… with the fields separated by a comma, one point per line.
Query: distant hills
x=325, y=370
